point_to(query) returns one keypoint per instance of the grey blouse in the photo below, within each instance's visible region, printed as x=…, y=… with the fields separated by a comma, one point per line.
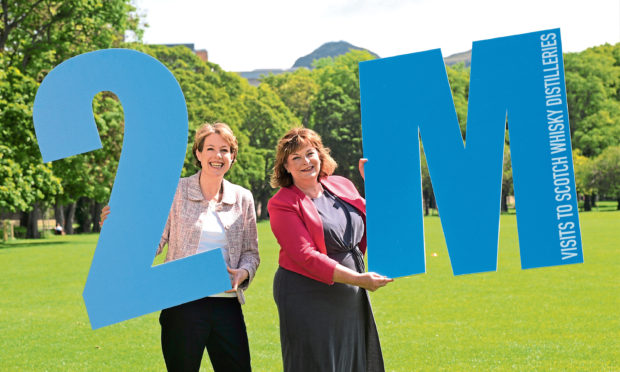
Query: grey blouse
x=343, y=227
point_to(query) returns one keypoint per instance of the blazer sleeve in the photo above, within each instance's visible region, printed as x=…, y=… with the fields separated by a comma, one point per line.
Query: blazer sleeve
x=249, y=258
x=297, y=243
x=165, y=236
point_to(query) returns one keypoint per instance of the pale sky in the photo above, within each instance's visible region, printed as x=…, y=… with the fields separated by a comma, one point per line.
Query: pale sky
x=243, y=35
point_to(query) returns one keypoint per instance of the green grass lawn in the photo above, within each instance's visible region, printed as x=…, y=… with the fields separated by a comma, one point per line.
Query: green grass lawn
x=558, y=318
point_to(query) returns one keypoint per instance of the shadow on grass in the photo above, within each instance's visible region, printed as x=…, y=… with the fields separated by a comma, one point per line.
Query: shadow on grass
x=31, y=243
x=600, y=210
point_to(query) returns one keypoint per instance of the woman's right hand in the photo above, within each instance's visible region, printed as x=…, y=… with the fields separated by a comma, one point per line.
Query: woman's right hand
x=361, y=167
x=104, y=214
x=373, y=281
x=370, y=281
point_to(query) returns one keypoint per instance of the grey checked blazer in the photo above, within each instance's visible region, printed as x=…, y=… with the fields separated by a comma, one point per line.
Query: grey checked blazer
x=236, y=213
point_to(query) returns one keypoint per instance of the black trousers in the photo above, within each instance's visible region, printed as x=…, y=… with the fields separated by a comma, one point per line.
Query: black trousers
x=211, y=322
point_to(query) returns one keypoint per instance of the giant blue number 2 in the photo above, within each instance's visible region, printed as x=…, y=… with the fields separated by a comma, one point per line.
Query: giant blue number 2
x=121, y=283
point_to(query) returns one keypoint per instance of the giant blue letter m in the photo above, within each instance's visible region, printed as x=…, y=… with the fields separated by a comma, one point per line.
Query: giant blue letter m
x=517, y=79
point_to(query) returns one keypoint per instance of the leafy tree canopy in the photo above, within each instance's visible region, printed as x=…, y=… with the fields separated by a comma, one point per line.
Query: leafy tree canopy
x=36, y=35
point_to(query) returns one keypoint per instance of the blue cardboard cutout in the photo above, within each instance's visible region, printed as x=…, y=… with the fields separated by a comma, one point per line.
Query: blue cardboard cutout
x=121, y=283
x=518, y=79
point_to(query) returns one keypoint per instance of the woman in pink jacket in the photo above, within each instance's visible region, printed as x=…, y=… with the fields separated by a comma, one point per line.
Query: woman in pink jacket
x=326, y=322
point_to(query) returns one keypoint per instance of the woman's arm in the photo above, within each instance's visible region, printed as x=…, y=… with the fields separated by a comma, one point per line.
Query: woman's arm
x=165, y=236
x=370, y=281
x=249, y=258
x=297, y=243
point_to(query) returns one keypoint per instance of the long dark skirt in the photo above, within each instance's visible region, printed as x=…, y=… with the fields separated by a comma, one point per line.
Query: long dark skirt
x=325, y=327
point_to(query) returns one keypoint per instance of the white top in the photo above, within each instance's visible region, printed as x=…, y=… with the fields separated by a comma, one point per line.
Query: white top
x=213, y=236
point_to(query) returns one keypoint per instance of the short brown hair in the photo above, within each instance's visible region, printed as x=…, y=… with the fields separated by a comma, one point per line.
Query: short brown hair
x=218, y=128
x=292, y=141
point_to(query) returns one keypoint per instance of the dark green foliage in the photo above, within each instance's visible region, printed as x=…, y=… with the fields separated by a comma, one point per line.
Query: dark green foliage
x=34, y=37
x=297, y=90
x=37, y=35
x=606, y=173
x=593, y=90
x=458, y=76
x=24, y=179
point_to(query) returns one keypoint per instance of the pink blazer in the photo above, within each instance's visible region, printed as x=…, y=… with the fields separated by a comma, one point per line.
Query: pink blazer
x=297, y=226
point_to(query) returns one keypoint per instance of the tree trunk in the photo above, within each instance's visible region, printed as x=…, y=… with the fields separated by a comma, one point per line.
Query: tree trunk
x=587, y=203
x=59, y=214
x=264, y=213
x=427, y=200
x=619, y=202
x=96, y=217
x=504, y=204
x=69, y=214
x=83, y=212
x=261, y=199
x=32, y=228
x=23, y=219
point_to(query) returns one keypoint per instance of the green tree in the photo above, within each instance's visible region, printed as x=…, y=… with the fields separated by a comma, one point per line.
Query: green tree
x=607, y=173
x=335, y=112
x=584, y=179
x=458, y=76
x=211, y=94
x=507, y=186
x=593, y=94
x=428, y=195
x=36, y=35
x=298, y=90
x=15, y=190
x=267, y=119
x=90, y=176
x=27, y=184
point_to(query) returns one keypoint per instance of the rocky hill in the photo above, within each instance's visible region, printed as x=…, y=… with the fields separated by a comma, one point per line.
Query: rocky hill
x=464, y=57
x=331, y=49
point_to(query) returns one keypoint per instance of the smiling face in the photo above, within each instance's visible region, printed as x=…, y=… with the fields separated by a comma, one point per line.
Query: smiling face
x=304, y=164
x=292, y=151
x=215, y=157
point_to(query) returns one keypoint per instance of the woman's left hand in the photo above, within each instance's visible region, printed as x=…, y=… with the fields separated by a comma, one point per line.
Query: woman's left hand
x=238, y=277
